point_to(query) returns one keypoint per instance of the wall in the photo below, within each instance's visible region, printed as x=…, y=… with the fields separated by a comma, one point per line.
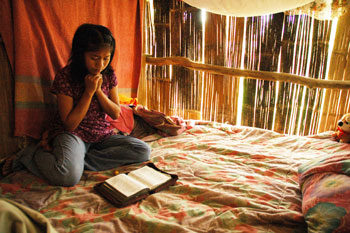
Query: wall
x=338, y=101
x=8, y=143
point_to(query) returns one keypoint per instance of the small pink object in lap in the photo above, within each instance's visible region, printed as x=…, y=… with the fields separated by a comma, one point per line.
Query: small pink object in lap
x=125, y=121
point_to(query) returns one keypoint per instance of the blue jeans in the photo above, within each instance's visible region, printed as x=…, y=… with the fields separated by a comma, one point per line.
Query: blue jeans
x=64, y=165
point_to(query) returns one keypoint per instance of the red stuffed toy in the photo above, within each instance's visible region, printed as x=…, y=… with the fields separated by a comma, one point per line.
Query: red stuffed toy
x=342, y=134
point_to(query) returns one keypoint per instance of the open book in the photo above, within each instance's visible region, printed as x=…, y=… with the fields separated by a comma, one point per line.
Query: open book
x=125, y=189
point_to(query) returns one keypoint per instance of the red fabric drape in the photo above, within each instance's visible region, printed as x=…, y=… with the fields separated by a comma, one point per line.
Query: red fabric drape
x=38, y=35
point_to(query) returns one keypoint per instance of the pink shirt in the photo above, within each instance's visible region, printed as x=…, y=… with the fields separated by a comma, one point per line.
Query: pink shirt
x=94, y=127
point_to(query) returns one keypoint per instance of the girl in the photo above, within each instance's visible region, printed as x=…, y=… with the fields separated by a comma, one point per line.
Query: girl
x=80, y=137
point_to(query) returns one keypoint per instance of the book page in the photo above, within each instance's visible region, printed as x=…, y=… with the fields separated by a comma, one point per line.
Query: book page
x=149, y=176
x=125, y=184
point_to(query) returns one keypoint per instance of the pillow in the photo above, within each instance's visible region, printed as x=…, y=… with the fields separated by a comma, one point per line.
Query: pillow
x=326, y=202
x=325, y=187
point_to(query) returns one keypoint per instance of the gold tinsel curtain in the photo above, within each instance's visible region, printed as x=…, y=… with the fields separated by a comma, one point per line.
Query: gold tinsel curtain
x=284, y=42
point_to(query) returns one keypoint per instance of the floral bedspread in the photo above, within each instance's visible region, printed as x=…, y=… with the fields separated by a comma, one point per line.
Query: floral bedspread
x=231, y=179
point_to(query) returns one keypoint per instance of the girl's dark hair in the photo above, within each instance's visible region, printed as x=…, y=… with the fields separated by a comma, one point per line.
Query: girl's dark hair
x=87, y=38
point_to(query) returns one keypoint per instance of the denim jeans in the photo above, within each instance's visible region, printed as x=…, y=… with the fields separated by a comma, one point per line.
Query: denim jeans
x=64, y=165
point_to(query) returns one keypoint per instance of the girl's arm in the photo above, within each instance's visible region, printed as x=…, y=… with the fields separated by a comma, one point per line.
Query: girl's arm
x=71, y=117
x=109, y=105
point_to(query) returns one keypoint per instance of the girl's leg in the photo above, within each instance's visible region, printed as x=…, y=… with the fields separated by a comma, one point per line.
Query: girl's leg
x=63, y=166
x=115, y=151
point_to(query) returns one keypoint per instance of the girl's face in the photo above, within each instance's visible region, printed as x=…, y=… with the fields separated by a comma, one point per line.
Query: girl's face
x=97, y=61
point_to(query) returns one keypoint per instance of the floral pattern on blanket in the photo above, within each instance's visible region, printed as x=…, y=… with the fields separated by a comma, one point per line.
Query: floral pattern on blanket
x=231, y=179
x=325, y=184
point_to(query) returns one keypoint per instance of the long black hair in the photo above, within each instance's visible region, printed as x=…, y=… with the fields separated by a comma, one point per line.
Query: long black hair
x=87, y=38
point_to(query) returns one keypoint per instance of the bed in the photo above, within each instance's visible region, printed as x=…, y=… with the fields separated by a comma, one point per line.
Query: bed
x=231, y=179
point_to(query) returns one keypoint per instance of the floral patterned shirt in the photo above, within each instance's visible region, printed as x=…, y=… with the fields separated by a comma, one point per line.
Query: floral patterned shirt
x=94, y=127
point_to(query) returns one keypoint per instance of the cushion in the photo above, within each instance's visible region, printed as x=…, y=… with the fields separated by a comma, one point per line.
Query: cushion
x=325, y=187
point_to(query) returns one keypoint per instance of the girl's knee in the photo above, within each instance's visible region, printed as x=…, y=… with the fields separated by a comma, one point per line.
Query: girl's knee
x=70, y=181
x=66, y=174
x=67, y=179
x=145, y=152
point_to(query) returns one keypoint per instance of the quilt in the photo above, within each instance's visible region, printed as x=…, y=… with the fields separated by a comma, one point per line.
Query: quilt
x=231, y=179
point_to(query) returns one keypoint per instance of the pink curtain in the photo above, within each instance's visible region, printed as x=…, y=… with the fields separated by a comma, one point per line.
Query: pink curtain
x=38, y=35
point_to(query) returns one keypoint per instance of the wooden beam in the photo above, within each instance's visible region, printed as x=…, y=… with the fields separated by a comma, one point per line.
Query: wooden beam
x=251, y=74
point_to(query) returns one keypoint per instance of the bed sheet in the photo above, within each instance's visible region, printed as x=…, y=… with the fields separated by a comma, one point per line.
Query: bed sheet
x=231, y=179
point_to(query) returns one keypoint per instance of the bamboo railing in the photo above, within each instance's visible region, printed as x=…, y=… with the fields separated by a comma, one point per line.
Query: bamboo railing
x=251, y=74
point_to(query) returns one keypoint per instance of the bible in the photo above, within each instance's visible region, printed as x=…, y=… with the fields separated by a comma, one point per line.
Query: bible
x=129, y=188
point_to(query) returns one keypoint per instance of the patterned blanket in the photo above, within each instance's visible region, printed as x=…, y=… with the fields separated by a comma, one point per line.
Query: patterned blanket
x=231, y=179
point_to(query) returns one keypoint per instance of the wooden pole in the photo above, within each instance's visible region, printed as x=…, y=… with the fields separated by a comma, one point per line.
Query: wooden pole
x=262, y=75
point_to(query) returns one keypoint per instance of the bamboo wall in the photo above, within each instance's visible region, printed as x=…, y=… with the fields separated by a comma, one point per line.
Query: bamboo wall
x=337, y=102
x=291, y=44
